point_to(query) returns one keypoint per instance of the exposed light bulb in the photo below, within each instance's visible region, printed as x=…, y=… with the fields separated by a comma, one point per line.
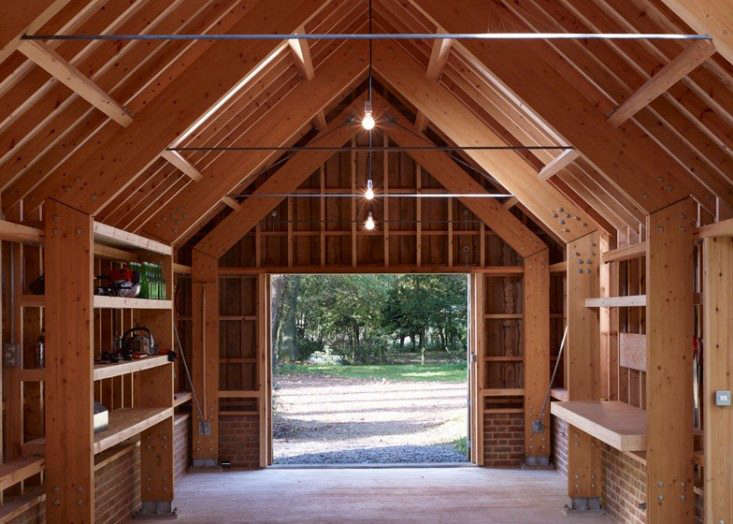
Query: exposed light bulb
x=369, y=193
x=369, y=224
x=367, y=121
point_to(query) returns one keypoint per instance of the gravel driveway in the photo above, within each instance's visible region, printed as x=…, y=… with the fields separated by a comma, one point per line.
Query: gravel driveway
x=324, y=420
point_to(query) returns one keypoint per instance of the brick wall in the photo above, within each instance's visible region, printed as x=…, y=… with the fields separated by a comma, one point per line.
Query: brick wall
x=181, y=445
x=503, y=439
x=117, y=479
x=117, y=485
x=560, y=444
x=239, y=440
x=624, y=485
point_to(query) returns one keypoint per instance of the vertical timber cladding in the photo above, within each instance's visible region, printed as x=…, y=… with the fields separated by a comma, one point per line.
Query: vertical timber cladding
x=583, y=363
x=242, y=379
x=670, y=304
x=69, y=394
x=718, y=332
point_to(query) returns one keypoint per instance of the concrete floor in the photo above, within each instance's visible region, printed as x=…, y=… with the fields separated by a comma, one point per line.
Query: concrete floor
x=424, y=495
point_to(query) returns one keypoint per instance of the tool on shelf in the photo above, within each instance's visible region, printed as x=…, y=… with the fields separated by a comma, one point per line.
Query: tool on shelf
x=204, y=424
x=538, y=425
x=137, y=342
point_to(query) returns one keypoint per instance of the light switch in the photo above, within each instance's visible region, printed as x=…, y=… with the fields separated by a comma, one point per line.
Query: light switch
x=723, y=398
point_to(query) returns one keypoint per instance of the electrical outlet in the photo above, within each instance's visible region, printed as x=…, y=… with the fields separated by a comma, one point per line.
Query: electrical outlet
x=723, y=398
x=10, y=355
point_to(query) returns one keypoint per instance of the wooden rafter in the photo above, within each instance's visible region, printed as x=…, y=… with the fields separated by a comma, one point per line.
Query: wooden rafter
x=623, y=154
x=687, y=61
x=462, y=127
x=183, y=165
x=55, y=65
x=456, y=180
x=176, y=108
x=300, y=50
x=714, y=17
x=20, y=18
x=558, y=164
x=339, y=73
x=287, y=179
x=438, y=58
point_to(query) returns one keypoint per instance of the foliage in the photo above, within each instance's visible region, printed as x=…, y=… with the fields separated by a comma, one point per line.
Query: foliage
x=461, y=445
x=368, y=318
x=445, y=372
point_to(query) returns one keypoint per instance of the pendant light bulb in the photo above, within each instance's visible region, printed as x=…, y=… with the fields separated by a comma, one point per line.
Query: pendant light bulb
x=369, y=224
x=369, y=193
x=368, y=122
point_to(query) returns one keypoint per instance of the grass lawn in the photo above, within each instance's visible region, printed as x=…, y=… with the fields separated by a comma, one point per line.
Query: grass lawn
x=440, y=372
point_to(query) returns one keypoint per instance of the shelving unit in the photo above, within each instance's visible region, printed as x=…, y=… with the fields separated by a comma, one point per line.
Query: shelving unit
x=128, y=422
x=103, y=371
x=105, y=302
x=139, y=394
x=618, y=424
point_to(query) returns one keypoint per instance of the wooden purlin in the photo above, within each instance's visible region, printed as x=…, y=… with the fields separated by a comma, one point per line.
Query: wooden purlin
x=718, y=370
x=454, y=179
x=294, y=112
x=461, y=126
x=176, y=108
x=669, y=320
x=287, y=179
x=69, y=392
x=619, y=152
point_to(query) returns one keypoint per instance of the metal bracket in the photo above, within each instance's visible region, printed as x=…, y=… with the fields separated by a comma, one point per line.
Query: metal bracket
x=584, y=505
x=156, y=509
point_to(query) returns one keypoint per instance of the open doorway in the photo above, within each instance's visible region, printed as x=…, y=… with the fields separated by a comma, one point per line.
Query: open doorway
x=369, y=369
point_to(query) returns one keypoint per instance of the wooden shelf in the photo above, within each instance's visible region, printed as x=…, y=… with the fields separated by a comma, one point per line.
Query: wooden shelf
x=629, y=301
x=32, y=300
x=503, y=392
x=18, y=470
x=101, y=301
x=181, y=398
x=618, y=424
x=102, y=371
x=111, y=236
x=559, y=394
x=513, y=358
x=14, y=507
x=126, y=423
x=624, y=253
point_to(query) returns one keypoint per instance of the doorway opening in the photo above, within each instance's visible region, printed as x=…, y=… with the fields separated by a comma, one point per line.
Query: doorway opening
x=369, y=369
